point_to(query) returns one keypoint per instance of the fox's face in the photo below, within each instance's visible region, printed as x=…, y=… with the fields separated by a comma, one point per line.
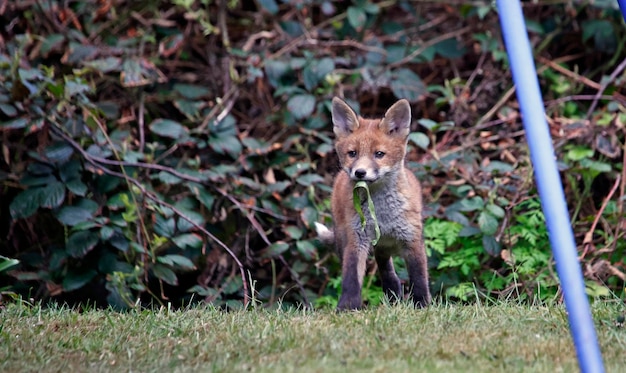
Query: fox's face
x=369, y=150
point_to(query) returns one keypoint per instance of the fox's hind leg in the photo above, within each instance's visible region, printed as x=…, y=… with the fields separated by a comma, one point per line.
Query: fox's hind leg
x=391, y=283
x=417, y=266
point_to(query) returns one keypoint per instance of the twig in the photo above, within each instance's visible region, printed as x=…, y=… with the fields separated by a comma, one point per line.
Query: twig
x=503, y=100
x=477, y=70
x=575, y=98
x=295, y=277
x=140, y=121
x=546, y=63
x=346, y=43
x=247, y=46
x=554, y=65
x=620, y=205
x=221, y=19
x=428, y=44
x=472, y=144
x=604, y=85
x=225, y=104
x=589, y=235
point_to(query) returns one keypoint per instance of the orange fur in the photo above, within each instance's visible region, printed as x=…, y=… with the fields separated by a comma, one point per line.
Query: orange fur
x=373, y=151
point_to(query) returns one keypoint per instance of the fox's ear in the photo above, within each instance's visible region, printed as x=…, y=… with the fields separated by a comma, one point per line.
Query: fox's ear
x=345, y=120
x=397, y=120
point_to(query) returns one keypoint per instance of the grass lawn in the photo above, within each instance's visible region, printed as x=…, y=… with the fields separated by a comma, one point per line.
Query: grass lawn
x=503, y=337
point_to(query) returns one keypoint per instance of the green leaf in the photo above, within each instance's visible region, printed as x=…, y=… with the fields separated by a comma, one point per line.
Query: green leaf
x=51, y=42
x=31, y=180
x=73, y=215
x=602, y=32
x=25, y=203
x=294, y=232
x=191, y=109
x=595, y=165
x=14, y=124
x=276, y=249
x=105, y=65
x=6, y=263
x=106, y=233
x=70, y=170
x=168, y=128
x=370, y=205
x=275, y=70
x=206, y=198
x=406, y=84
x=119, y=242
x=487, y=223
x=80, y=243
x=269, y=5
x=593, y=289
x=307, y=249
x=534, y=26
x=165, y=227
x=203, y=291
x=309, y=215
x=496, y=210
x=469, y=231
x=59, y=152
x=191, y=91
x=188, y=240
x=226, y=144
x=77, y=187
x=75, y=86
x=52, y=195
x=8, y=109
x=316, y=71
x=577, y=153
x=177, y=262
x=420, y=139
x=224, y=127
x=499, y=167
x=164, y=273
x=301, y=106
x=76, y=280
x=429, y=124
x=356, y=17
x=168, y=178
x=184, y=225
x=491, y=246
x=309, y=179
x=450, y=48
x=471, y=204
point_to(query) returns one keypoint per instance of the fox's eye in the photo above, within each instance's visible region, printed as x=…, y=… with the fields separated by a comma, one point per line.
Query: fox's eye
x=378, y=154
x=352, y=153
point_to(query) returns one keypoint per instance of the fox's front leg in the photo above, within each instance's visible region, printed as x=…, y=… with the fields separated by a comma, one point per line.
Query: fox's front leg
x=417, y=266
x=352, y=272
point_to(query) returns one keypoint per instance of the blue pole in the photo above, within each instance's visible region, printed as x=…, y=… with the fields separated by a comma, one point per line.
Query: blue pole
x=622, y=6
x=549, y=185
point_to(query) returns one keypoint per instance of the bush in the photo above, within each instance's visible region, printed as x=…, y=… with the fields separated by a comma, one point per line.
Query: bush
x=177, y=151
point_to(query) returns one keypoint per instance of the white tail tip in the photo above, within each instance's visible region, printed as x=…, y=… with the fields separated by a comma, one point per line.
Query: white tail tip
x=324, y=234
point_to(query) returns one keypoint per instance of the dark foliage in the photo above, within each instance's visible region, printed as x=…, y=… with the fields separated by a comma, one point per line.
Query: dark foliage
x=172, y=151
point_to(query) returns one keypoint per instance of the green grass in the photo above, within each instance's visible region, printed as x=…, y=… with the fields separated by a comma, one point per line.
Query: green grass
x=443, y=338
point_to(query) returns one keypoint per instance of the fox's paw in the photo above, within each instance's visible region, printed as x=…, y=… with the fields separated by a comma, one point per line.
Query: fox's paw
x=349, y=303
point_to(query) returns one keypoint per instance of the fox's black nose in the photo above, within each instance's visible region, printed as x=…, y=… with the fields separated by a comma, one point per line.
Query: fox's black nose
x=360, y=173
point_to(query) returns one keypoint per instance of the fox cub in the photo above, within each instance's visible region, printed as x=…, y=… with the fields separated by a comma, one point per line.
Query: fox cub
x=373, y=151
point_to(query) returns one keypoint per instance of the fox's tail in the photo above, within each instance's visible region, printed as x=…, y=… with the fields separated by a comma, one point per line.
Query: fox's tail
x=325, y=235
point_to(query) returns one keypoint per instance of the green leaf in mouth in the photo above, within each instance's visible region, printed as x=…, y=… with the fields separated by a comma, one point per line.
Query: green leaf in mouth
x=370, y=205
